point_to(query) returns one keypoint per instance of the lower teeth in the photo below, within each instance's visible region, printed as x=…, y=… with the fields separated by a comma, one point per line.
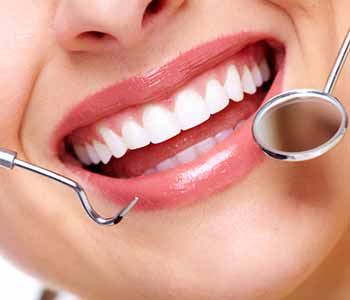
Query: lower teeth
x=192, y=153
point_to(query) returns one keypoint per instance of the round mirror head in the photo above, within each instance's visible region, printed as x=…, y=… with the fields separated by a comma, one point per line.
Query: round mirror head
x=299, y=125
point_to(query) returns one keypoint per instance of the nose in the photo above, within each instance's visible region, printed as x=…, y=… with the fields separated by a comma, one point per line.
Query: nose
x=99, y=25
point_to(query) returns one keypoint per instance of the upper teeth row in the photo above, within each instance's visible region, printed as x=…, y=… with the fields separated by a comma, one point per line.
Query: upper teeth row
x=160, y=123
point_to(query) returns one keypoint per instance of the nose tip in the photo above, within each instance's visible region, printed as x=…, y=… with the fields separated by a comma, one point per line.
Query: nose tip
x=101, y=25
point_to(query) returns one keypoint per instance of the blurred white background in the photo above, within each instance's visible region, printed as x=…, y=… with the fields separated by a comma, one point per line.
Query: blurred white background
x=14, y=285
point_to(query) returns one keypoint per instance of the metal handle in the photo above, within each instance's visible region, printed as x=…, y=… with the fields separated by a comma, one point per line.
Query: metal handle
x=8, y=160
x=339, y=64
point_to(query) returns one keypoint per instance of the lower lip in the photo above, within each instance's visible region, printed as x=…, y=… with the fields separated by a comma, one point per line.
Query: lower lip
x=226, y=165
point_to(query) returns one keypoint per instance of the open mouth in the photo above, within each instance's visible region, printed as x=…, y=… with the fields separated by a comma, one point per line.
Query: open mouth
x=176, y=146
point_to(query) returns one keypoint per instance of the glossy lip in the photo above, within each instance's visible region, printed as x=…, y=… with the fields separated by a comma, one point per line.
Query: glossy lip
x=225, y=165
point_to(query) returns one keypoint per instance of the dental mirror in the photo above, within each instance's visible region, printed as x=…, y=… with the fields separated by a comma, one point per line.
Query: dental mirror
x=303, y=124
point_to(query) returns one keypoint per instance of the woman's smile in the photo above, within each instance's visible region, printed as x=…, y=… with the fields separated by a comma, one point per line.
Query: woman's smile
x=155, y=99
x=193, y=141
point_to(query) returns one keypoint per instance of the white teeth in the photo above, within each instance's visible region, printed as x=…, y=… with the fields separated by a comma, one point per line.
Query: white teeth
x=265, y=70
x=233, y=85
x=190, y=109
x=134, y=135
x=166, y=165
x=160, y=123
x=103, y=152
x=93, y=154
x=248, y=83
x=150, y=171
x=190, y=154
x=82, y=154
x=258, y=79
x=114, y=142
x=187, y=155
x=206, y=145
x=215, y=96
x=221, y=136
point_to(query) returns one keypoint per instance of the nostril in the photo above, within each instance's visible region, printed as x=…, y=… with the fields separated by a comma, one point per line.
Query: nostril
x=95, y=35
x=153, y=8
x=93, y=41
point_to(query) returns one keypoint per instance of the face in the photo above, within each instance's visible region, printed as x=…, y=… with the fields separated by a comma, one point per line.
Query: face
x=156, y=99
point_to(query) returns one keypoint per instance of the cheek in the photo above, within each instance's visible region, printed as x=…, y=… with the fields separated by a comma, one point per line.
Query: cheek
x=22, y=33
x=295, y=5
x=24, y=42
x=294, y=220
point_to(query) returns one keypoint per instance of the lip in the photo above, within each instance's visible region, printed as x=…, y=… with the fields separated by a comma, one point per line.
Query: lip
x=225, y=165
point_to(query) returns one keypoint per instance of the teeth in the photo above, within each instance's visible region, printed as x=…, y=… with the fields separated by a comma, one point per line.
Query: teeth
x=216, y=97
x=205, y=146
x=265, y=70
x=103, y=152
x=167, y=165
x=150, y=171
x=134, y=135
x=93, y=154
x=221, y=136
x=233, y=85
x=258, y=79
x=160, y=123
x=190, y=109
x=82, y=154
x=114, y=142
x=188, y=155
x=248, y=83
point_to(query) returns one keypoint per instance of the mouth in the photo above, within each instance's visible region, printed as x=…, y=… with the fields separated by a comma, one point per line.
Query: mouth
x=178, y=133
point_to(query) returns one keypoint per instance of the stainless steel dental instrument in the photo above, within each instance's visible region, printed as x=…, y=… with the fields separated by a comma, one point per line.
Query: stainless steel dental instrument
x=9, y=160
x=303, y=124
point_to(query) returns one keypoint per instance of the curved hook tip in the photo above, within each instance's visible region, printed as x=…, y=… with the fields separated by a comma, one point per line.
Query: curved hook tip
x=126, y=209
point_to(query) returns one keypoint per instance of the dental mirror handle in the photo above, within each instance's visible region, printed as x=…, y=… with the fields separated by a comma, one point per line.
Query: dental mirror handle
x=338, y=66
x=8, y=160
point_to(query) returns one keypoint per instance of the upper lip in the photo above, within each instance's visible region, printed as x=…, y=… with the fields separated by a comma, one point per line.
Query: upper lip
x=155, y=84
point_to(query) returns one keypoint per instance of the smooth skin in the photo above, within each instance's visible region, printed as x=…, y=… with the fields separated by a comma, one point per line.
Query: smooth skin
x=282, y=232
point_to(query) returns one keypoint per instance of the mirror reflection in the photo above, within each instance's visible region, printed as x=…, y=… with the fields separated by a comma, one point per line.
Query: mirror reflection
x=299, y=124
